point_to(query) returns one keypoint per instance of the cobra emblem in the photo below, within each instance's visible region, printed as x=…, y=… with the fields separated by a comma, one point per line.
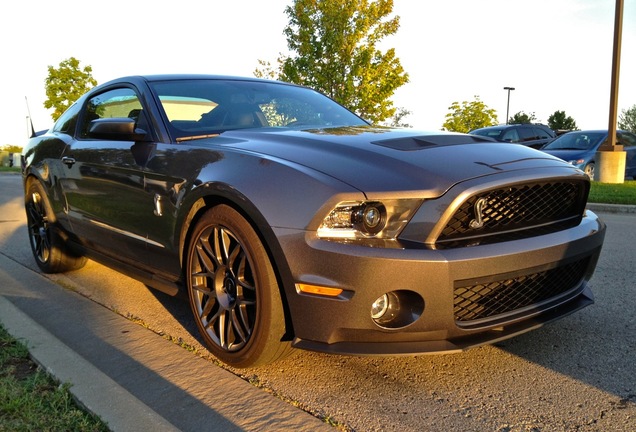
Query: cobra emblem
x=478, y=209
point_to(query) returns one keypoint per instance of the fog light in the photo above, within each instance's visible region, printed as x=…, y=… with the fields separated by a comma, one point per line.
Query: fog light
x=385, y=309
x=397, y=309
x=379, y=307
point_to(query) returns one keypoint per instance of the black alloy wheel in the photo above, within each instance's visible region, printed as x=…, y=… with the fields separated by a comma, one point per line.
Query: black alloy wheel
x=50, y=251
x=233, y=291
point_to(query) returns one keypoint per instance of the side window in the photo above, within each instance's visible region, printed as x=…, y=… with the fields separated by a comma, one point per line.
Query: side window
x=541, y=134
x=511, y=135
x=527, y=134
x=627, y=139
x=121, y=102
x=67, y=121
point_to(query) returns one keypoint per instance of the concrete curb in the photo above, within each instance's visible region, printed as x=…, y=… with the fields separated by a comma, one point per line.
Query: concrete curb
x=132, y=378
x=612, y=208
x=90, y=387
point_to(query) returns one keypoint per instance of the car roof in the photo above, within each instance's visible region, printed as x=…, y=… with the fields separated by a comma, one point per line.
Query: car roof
x=505, y=126
x=184, y=76
x=590, y=131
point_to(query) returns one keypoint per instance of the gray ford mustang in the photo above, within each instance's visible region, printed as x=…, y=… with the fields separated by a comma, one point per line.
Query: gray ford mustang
x=292, y=223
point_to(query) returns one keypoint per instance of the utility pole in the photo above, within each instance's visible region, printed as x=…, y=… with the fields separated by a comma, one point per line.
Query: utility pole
x=611, y=158
x=508, y=104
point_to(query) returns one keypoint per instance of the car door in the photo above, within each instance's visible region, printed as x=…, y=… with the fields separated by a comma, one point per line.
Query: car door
x=628, y=140
x=103, y=183
x=174, y=169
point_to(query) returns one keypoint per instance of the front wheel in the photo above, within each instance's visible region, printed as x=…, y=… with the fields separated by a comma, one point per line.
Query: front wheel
x=50, y=251
x=589, y=170
x=233, y=291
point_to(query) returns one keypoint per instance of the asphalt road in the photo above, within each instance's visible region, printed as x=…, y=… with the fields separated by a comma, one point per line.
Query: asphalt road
x=577, y=374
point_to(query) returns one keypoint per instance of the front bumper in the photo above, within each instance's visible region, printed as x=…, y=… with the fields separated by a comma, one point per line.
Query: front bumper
x=344, y=324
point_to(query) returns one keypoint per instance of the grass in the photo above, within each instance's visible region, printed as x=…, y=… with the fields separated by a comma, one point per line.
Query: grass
x=9, y=169
x=31, y=400
x=610, y=193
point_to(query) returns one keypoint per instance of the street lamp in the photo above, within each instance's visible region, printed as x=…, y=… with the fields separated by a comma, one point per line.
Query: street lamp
x=508, y=105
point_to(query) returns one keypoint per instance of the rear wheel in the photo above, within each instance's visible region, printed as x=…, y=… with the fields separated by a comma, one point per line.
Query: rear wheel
x=233, y=291
x=50, y=251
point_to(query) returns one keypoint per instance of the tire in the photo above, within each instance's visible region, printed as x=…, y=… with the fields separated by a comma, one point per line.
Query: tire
x=233, y=291
x=50, y=251
x=589, y=170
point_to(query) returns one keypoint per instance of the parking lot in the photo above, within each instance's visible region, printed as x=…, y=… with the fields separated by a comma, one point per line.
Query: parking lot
x=575, y=374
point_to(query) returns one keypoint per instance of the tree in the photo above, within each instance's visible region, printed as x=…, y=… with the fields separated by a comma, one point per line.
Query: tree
x=66, y=84
x=522, y=118
x=267, y=71
x=560, y=122
x=627, y=119
x=334, y=50
x=10, y=148
x=11, y=152
x=469, y=116
x=397, y=120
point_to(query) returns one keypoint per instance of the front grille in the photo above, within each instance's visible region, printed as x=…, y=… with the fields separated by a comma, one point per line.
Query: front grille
x=490, y=300
x=525, y=210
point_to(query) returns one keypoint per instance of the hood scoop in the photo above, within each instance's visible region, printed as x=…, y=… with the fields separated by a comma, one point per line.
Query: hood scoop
x=418, y=143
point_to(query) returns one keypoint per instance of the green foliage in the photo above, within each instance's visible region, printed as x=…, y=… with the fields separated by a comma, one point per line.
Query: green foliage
x=559, y=121
x=397, y=121
x=468, y=116
x=11, y=148
x=613, y=193
x=31, y=400
x=66, y=84
x=267, y=71
x=627, y=119
x=522, y=118
x=334, y=46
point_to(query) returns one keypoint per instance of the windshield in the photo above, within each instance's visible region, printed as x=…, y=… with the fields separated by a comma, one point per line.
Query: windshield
x=488, y=132
x=203, y=107
x=576, y=141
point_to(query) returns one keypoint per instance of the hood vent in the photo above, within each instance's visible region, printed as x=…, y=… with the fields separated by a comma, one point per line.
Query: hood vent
x=418, y=143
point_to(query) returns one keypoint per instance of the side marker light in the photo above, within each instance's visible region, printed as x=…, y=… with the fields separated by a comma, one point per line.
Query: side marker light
x=318, y=290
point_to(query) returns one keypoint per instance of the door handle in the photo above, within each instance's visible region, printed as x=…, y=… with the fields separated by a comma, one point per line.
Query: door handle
x=68, y=161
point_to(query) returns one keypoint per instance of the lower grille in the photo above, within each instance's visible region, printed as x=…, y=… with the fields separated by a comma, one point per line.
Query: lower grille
x=491, y=300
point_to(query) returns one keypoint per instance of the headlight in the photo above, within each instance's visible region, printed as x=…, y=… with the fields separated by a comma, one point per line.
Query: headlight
x=576, y=162
x=368, y=219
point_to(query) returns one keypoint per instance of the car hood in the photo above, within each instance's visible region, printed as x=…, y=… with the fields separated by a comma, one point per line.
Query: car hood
x=381, y=160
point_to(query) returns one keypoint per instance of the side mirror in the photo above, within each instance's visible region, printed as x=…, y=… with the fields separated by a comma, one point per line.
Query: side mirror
x=117, y=128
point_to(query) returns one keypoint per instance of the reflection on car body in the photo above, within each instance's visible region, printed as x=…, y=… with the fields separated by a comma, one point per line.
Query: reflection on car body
x=292, y=223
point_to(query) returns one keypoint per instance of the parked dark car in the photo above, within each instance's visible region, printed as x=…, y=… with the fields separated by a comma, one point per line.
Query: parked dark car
x=291, y=222
x=531, y=135
x=579, y=148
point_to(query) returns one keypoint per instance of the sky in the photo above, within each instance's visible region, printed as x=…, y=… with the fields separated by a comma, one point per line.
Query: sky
x=557, y=54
